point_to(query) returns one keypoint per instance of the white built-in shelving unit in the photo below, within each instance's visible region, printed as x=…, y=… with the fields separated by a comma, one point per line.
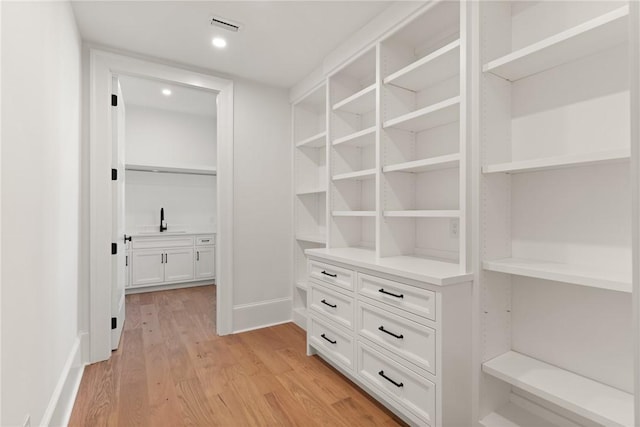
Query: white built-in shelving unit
x=423, y=139
x=353, y=129
x=555, y=214
x=310, y=188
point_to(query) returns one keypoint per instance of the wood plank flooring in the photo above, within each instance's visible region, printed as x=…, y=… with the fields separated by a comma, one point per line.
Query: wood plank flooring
x=172, y=370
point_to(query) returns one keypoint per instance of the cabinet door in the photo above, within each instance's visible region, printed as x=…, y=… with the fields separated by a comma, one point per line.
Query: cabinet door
x=205, y=262
x=178, y=265
x=147, y=267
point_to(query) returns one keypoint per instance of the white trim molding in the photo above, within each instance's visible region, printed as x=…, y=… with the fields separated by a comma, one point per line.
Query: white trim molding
x=104, y=65
x=61, y=403
x=247, y=317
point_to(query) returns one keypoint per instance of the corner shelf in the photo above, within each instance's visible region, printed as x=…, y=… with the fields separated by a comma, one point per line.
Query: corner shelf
x=425, y=165
x=423, y=214
x=438, y=66
x=314, y=238
x=315, y=141
x=358, y=175
x=577, y=275
x=593, y=36
x=354, y=213
x=360, y=102
x=583, y=396
x=171, y=169
x=443, y=112
x=559, y=162
x=358, y=139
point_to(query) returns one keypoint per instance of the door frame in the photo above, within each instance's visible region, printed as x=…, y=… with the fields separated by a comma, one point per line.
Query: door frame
x=103, y=65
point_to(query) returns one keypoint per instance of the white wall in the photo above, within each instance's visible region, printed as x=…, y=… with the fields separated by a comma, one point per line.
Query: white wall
x=262, y=209
x=40, y=206
x=169, y=138
x=189, y=201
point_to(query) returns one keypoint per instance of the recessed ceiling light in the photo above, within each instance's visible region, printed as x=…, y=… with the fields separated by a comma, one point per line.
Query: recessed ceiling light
x=219, y=42
x=166, y=92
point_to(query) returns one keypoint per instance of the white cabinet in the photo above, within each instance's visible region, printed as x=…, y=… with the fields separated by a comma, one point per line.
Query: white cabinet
x=147, y=267
x=205, y=262
x=407, y=342
x=178, y=265
x=160, y=260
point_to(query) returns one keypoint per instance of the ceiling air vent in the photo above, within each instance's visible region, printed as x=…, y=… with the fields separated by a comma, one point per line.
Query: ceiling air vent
x=218, y=21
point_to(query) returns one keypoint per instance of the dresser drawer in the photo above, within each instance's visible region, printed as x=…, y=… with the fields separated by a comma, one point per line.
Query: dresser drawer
x=415, y=393
x=161, y=242
x=410, y=298
x=409, y=340
x=340, y=308
x=331, y=342
x=331, y=274
x=205, y=240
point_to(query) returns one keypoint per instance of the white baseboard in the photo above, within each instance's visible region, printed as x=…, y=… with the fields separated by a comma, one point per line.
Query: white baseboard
x=61, y=403
x=152, y=288
x=247, y=317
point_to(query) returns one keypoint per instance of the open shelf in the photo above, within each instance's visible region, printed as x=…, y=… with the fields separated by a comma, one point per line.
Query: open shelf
x=429, y=70
x=585, y=397
x=425, y=165
x=315, y=141
x=443, y=112
x=358, y=175
x=358, y=139
x=559, y=162
x=593, y=36
x=354, y=213
x=360, y=102
x=311, y=191
x=171, y=169
x=423, y=214
x=515, y=414
x=314, y=238
x=578, y=275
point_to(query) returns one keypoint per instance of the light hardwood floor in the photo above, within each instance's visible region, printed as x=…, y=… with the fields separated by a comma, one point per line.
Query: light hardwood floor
x=172, y=370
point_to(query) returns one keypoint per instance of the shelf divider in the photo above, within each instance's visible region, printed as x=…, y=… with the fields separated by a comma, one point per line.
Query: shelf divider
x=559, y=162
x=358, y=175
x=595, y=35
x=577, y=275
x=590, y=399
x=425, y=165
x=438, y=114
x=436, y=67
x=314, y=141
x=360, y=102
x=358, y=139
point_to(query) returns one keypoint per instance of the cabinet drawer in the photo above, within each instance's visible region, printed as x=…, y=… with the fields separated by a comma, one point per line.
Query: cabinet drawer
x=338, y=307
x=205, y=240
x=331, y=274
x=331, y=342
x=409, y=340
x=415, y=393
x=161, y=242
x=410, y=298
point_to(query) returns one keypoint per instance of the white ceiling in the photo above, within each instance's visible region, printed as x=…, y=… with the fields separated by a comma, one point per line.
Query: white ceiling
x=148, y=93
x=280, y=42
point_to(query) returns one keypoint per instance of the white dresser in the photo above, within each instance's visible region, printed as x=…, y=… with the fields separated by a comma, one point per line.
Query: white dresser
x=406, y=342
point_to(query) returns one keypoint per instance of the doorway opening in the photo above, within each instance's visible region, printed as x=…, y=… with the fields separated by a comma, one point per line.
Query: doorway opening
x=162, y=161
x=165, y=197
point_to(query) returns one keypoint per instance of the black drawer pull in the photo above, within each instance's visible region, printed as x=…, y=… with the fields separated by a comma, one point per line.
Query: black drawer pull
x=328, y=274
x=204, y=241
x=331, y=341
x=381, y=373
x=381, y=328
x=382, y=291
x=330, y=305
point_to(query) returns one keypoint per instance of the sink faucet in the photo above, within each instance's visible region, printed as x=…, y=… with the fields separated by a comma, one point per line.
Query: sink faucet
x=163, y=224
